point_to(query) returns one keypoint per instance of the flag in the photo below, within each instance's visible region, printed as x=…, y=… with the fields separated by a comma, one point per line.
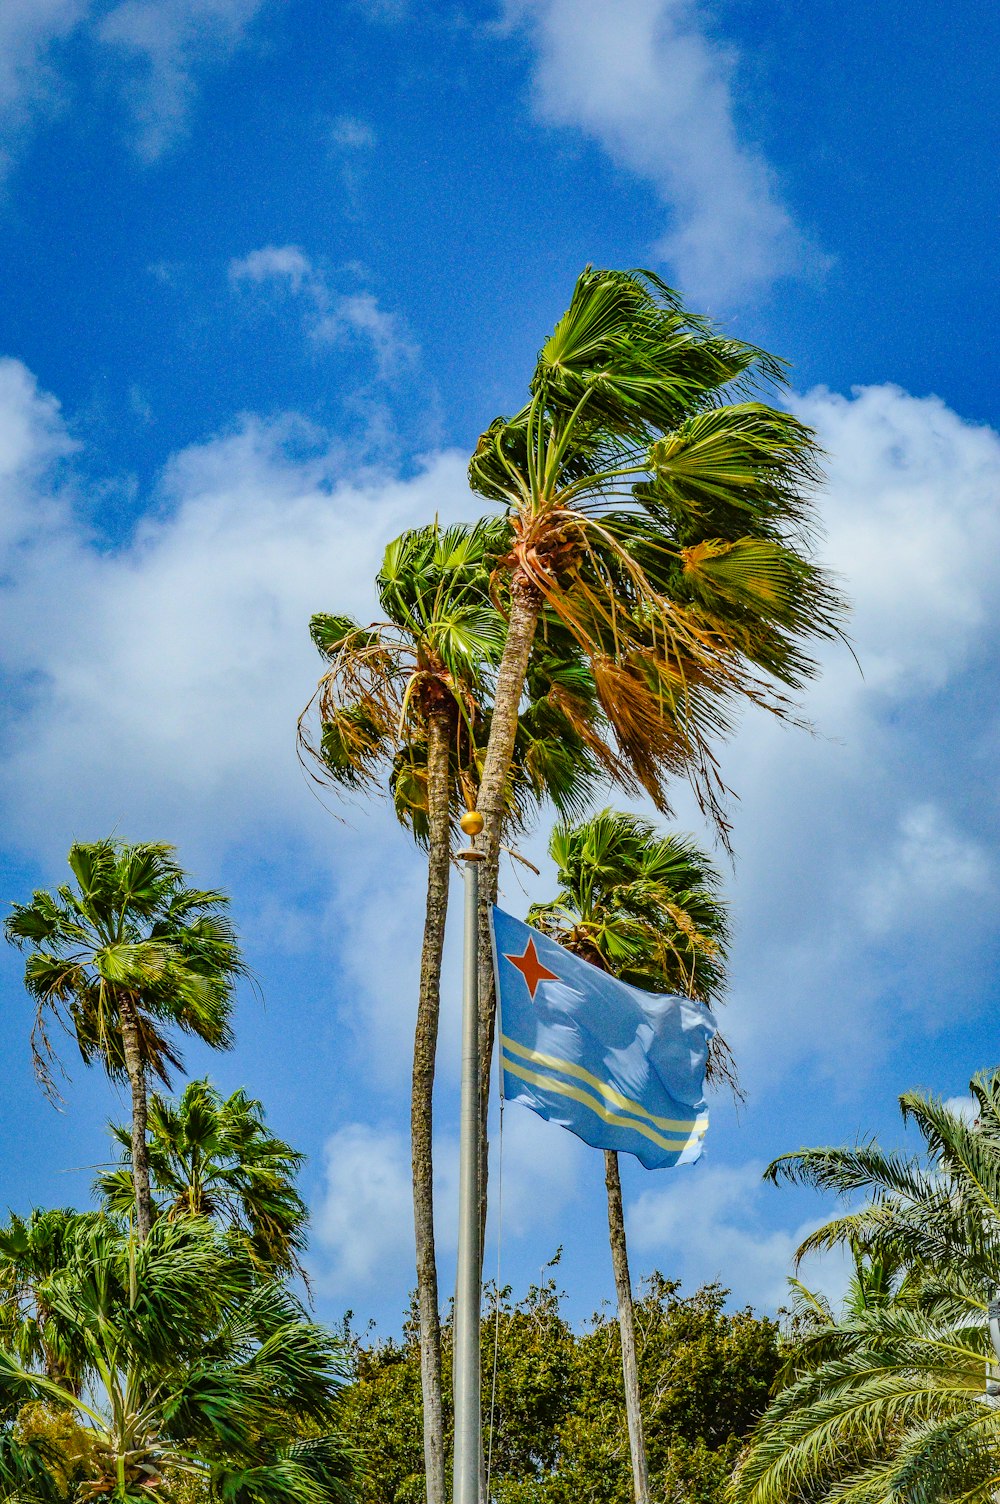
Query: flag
x=621, y=1068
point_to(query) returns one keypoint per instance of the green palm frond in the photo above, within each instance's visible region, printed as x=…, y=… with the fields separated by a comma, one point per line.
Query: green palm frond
x=213, y=1156
x=645, y=905
x=130, y=928
x=663, y=512
x=888, y=1402
x=188, y=1366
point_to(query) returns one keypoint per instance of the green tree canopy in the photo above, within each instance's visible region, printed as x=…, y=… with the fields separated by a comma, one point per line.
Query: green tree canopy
x=559, y=1434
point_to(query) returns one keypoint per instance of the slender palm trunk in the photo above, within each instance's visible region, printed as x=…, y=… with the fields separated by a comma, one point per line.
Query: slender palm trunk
x=626, y=1323
x=421, y=1102
x=525, y=607
x=140, y=1150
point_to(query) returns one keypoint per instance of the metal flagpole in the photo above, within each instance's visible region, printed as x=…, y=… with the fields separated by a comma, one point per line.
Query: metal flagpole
x=468, y=1297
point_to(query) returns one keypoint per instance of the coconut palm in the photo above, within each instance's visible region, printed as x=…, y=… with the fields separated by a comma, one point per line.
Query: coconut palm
x=192, y=1368
x=661, y=513
x=645, y=907
x=213, y=1156
x=899, y=1400
x=120, y=959
x=408, y=698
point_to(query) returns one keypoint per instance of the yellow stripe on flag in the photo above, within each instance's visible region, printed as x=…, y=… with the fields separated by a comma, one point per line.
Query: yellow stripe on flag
x=564, y=1089
x=616, y=1098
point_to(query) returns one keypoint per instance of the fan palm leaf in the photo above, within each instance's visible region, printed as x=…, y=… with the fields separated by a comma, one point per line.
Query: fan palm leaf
x=897, y=1399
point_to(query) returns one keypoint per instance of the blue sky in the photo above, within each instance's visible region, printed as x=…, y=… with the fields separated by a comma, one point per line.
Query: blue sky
x=269, y=266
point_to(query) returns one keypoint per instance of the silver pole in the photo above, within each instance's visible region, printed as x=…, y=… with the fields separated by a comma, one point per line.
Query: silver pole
x=468, y=1297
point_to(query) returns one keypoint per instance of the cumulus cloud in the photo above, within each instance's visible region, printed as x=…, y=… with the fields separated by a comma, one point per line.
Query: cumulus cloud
x=712, y=1223
x=363, y=1218
x=644, y=79
x=867, y=854
x=364, y=1221
x=329, y=317
x=163, y=679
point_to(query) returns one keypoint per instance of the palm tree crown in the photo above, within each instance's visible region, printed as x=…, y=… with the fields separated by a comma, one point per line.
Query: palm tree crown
x=662, y=513
x=189, y=1367
x=120, y=959
x=641, y=904
x=212, y=1156
x=896, y=1399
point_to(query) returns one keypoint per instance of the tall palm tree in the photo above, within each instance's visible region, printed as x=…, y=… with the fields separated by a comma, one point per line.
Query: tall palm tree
x=645, y=907
x=213, y=1156
x=409, y=696
x=191, y=1368
x=120, y=958
x=898, y=1400
x=662, y=513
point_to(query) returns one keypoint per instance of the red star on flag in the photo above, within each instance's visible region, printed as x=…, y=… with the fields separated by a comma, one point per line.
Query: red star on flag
x=531, y=968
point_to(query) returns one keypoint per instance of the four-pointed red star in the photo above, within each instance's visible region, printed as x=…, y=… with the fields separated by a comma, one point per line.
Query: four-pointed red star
x=531, y=968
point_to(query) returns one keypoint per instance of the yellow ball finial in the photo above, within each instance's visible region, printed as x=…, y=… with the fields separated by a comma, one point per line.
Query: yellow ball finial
x=471, y=822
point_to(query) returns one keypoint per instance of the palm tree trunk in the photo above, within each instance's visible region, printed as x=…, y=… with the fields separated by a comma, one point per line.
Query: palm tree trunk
x=626, y=1323
x=525, y=607
x=422, y=1099
x=140, y=1150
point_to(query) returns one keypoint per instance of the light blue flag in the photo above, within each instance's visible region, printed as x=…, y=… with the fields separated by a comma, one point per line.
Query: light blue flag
x=621, y=1068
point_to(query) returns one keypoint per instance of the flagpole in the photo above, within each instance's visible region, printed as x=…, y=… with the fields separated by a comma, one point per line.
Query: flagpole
x=468, y=1295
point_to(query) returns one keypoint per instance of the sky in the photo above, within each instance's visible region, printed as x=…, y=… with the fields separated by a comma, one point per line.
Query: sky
x=268, y=268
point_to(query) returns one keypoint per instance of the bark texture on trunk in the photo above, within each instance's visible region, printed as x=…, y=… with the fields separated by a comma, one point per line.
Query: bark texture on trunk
x=422, y=1100
x=626, y=1324
x=140, y=1151
x=525, y=607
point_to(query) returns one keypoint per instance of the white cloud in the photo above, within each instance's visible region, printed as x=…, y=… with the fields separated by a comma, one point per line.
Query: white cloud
x=866, y=855
x=164, y=678
x=350, y=134
x=162, y=44
x=364, y=1222
x=30, y=86
x=712, y=1223
x=330, y=318
x=644, y=80
x=157, y=50
x=965, y=1107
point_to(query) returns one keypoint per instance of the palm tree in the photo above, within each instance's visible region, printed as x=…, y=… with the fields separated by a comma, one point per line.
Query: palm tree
x=646, y=908
x=32, y=1249
x=898, y=1399
x=127, y=954
x=409, y=696
x=212, y=1156
x=191, y=1368
x=662, y=514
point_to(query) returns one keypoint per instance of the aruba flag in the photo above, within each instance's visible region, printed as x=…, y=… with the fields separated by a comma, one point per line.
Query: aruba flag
x=621, y=1068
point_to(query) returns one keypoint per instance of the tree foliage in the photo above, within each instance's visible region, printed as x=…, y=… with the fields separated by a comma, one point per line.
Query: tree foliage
x=213, y=1156
x=559, y=1434
x=178, y=1363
